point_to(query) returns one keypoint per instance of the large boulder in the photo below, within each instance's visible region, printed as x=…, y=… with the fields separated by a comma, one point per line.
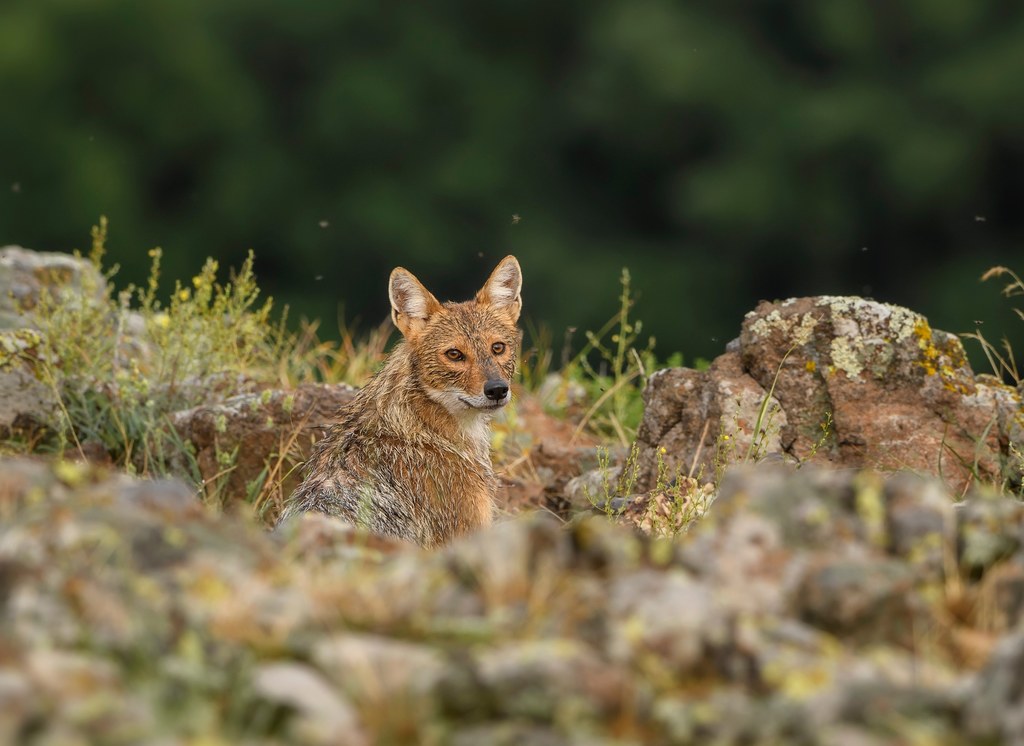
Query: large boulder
x=852, y=381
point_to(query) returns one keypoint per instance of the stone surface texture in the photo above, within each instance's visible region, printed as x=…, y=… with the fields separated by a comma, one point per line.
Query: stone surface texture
x=270, y=429
x=850, y=381
x=804, y=608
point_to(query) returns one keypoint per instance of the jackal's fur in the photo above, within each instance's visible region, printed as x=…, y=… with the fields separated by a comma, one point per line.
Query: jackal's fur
x=410, y=456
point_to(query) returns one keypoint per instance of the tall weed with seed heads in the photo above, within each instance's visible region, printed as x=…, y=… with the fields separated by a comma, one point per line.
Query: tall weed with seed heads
x=613, y=367
x=1002, y=359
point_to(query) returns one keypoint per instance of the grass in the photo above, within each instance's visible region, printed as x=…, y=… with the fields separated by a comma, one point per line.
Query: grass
x=190, y=614
x=1001, y=358
x=609, y=371
x=1003, y=363
x=121, y=362
x=672, y=506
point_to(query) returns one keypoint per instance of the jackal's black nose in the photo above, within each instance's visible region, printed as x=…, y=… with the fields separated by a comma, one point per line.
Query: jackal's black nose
x=495, y=390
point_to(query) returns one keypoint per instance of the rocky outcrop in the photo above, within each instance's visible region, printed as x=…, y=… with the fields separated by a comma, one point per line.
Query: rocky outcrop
x=850, y=381
x=810, y=606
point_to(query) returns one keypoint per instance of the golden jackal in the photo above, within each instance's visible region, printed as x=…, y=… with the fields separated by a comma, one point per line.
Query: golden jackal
x=410, y=456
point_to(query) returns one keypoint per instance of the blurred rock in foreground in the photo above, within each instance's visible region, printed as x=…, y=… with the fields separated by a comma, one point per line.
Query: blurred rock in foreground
x=807, y=607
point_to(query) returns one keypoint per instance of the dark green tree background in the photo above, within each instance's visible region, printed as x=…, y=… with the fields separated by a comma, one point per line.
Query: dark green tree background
x=726, y=151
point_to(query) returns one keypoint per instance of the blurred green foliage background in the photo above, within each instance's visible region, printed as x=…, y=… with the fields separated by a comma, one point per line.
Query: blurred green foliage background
x=725, y=150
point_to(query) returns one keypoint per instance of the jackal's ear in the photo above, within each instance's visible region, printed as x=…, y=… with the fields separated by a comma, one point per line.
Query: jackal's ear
x=411, y=303
x=502, y=289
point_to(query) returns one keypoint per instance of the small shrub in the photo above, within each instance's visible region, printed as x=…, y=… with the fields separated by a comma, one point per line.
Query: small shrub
x=120, y=362
x=611, y=368
x=676, y=501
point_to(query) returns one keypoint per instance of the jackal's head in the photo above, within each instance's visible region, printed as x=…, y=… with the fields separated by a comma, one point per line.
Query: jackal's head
x=463, y=354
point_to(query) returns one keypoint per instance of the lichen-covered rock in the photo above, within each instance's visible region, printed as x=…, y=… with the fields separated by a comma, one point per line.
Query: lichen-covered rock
x=990, y=529
x=993, y=703
x=552, y=679
x=28, y=403
x=805, y=608
x=380, y=668
x=870, y=599
x=245, y=437
x=669, y=618
x=325, y=717
x=855, y=382
x=694, y=421
x=28, y=388
x=25, y=274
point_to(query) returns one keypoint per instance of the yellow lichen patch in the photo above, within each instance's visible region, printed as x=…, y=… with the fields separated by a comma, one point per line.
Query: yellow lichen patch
x=810, y=366
x=71, y=473
x=929, y=352
x=870, y=507
x=943, y=362
x=799, y=683
x=923, y=332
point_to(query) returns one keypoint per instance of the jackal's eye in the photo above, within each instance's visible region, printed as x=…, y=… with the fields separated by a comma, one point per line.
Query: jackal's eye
x=498, y=347
x=454, y=355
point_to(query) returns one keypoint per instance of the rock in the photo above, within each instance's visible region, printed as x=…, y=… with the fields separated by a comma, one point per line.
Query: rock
x=392, y=683
x=696, y=421
x=548, y=680
x=504, y=561
x=666, y=617
x=511, y=734
x=250, y=435
x=990, y=528
x=18, y=704
x=325, y=717
x=26, y=274
x=60, y=673
x=28, y=404
x=811, y=508
x=920, y=520
x=854, y=382
x=593, y=489
x=806, y=607
x=993, y=703
x=546, y=452
x=378, y=666
x=730, y=716
x=28, y=399
x=867, y=599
